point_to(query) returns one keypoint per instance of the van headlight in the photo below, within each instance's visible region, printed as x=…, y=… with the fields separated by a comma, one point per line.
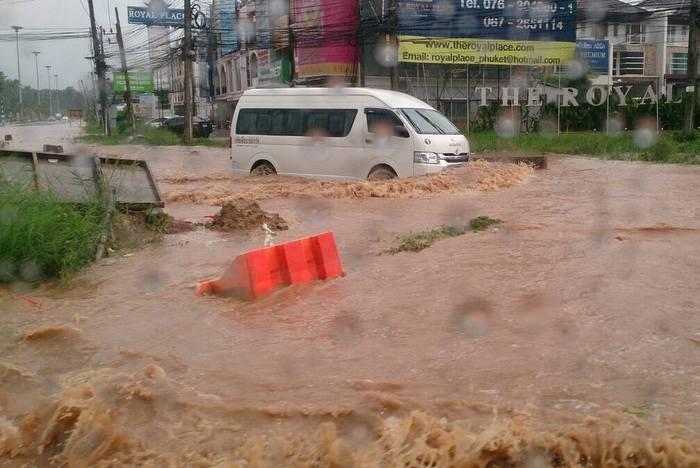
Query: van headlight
x=424, y=157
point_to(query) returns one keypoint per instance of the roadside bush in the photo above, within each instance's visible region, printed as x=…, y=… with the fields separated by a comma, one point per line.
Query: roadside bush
x=158, y=136
x=669, y=147
x=663, y=150
x=123, y=127
x=42, y=238
x=683, y=137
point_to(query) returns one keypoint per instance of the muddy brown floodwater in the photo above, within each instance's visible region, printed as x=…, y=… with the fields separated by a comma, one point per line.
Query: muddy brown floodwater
x=569, y=336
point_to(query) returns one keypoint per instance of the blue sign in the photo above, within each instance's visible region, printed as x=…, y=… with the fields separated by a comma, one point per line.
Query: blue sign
x=515, y=20
x=596, y=52
x=156, y=16
x=226, y=21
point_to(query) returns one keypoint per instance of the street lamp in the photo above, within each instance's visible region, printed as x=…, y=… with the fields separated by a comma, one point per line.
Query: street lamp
x=48, y=79
x=38, y=89
x=58, y=96
x=19, y=78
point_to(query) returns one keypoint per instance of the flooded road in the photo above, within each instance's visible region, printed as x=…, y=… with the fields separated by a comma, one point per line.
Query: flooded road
x=568, y=336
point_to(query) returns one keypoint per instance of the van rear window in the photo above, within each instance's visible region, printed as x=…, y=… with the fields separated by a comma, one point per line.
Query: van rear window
x=296, y=122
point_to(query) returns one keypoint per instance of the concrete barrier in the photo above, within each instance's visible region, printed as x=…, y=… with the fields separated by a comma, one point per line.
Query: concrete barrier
x=256, y=273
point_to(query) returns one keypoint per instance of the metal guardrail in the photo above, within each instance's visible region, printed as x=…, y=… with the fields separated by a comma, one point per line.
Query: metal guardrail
x=75, y=178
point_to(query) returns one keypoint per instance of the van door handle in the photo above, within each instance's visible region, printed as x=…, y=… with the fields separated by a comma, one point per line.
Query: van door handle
x=369, y=140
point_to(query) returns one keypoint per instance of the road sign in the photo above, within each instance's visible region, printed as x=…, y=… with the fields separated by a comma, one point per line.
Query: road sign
x=156, y=16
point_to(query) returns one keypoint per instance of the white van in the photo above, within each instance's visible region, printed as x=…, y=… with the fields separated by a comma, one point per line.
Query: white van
x=341, y=133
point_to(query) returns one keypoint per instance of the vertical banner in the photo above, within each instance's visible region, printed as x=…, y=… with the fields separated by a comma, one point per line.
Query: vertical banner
x=488, y=32
x=272, y=38
x=262, y=24
x=326, y=43
x=227, y=26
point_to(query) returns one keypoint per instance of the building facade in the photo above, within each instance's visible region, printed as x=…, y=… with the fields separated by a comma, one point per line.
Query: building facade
x=263, y=43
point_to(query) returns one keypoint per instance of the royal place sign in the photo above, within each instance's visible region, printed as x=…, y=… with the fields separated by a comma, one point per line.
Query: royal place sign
x=569, y=97
x=156, y=16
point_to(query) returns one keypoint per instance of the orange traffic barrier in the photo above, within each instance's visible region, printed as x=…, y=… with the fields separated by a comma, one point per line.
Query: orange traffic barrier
x=256, y=273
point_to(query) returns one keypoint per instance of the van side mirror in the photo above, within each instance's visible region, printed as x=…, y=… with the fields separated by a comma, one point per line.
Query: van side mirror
x=401, y=131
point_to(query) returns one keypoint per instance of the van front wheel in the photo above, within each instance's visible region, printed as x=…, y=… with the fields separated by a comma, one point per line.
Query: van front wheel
x=263, y=169
x=381, y=173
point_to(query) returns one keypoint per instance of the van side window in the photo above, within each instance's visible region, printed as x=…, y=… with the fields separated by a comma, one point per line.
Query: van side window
x=317, y=123
x=380, y=120
x=296, y=122
x=247, y=122
x=264, y=123
x=279, y=119
x=335, y=123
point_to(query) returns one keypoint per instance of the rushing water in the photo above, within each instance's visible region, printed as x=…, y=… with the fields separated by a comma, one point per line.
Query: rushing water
x=568, y=336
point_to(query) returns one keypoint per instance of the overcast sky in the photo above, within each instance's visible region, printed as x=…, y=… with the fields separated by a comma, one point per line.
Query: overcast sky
x=67, y=57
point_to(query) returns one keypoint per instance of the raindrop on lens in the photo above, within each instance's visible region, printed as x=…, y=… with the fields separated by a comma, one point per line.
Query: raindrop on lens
x=575, y=70
x=386, y=55
x=519, y=82
x=472, y=318
x=8, y=214
x=644, y=137
x=247, y=29
x=7, y=270
x=548, y=128
x=505, y=127
x=30, y=271
x=615, y=125
x=150, y=281
x=444, y=10
x=317, y=150
x=278, y=8
x=595, y=10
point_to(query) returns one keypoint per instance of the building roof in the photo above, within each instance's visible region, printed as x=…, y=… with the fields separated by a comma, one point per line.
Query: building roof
x=671, y=6
x=609, y=9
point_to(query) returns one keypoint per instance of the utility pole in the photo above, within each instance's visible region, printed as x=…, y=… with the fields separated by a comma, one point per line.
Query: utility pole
x=187, y=58
x=58, y=95
x=38, y=89
x=122, y=56
x=360, y=48
x=48, y=80
x=100, y=69
x=291, y=42
x=691, y=94
x=19, y=77
x=394, y=41
x=211, y=42
x=83, y=90
x=94, y=95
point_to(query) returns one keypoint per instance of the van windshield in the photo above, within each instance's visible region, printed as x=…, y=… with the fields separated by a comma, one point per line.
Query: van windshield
x=431, y=122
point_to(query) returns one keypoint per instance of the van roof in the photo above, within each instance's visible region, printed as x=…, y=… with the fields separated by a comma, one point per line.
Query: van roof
x=392, y=99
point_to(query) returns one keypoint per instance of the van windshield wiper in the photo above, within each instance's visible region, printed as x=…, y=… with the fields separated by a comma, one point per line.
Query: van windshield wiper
x=439, y=130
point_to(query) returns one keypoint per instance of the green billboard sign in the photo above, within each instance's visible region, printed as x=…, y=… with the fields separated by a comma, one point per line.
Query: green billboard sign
x=140, y=82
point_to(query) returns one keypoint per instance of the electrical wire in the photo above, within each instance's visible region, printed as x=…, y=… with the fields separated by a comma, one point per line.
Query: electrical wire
x=149, y=52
